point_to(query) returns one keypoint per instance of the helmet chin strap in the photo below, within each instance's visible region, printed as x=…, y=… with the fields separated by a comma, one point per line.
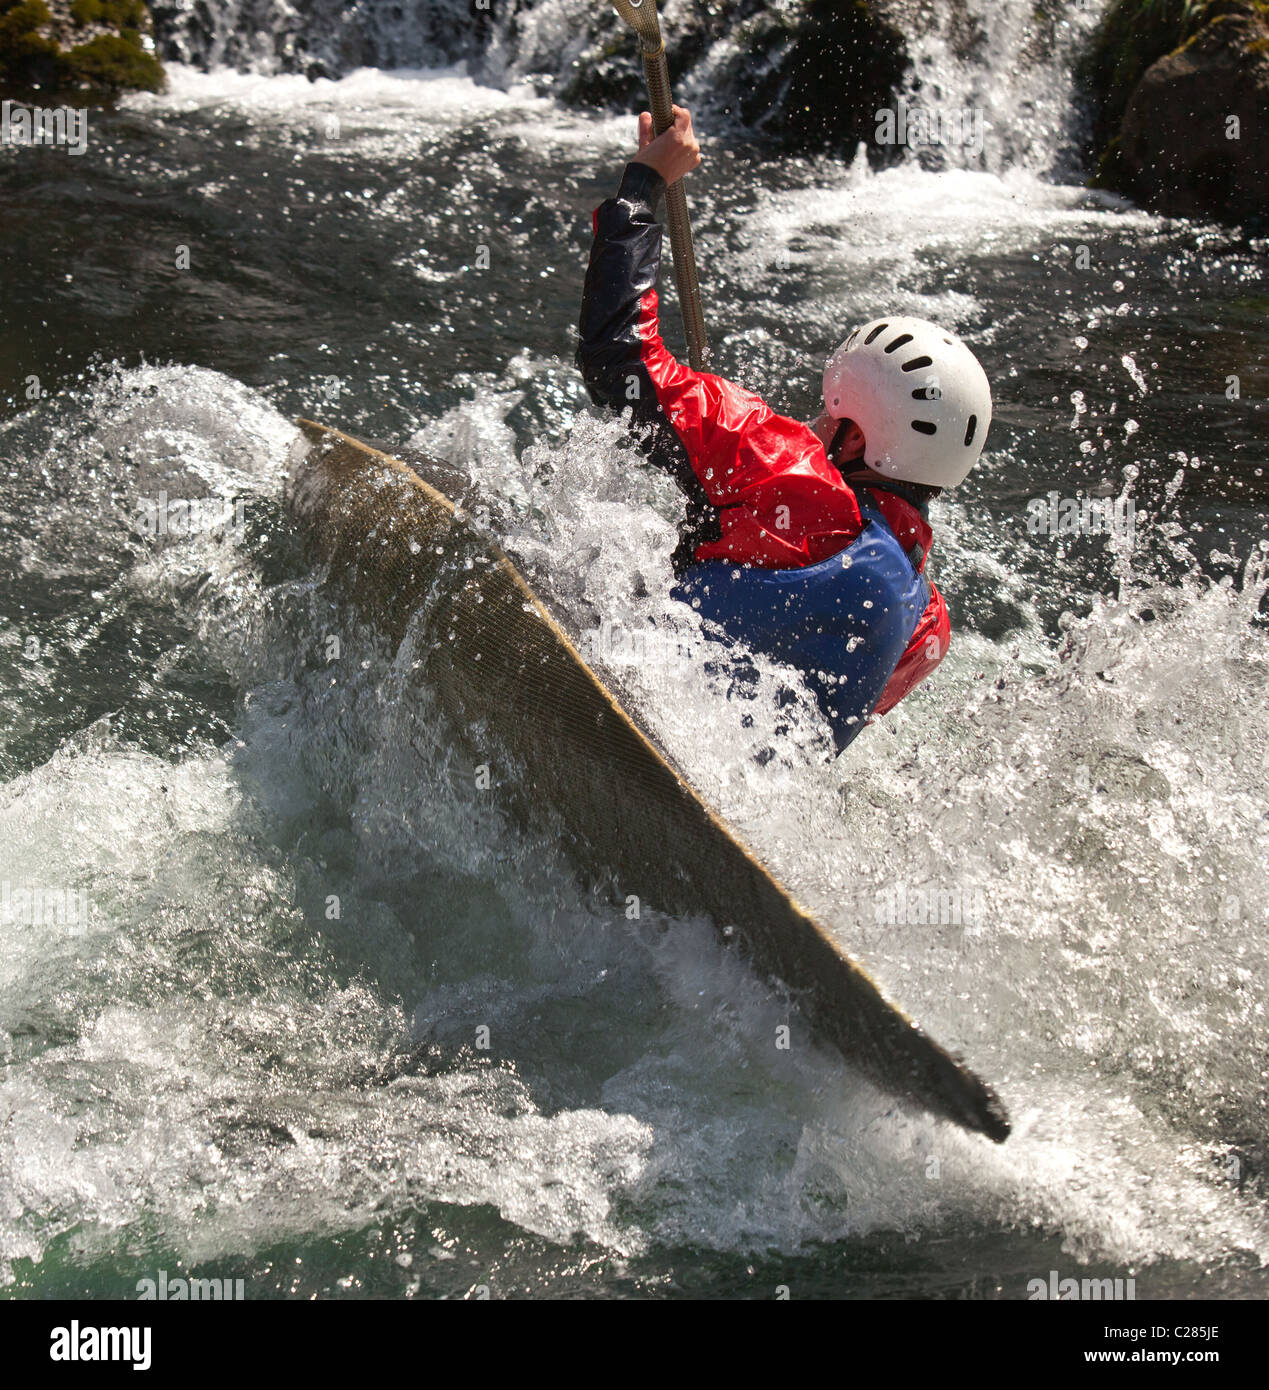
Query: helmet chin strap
x=912, y=493
x=839, y=438
x=857, y=472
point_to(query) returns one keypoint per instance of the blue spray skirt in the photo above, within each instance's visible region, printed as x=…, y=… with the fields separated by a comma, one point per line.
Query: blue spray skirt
x=845, y=622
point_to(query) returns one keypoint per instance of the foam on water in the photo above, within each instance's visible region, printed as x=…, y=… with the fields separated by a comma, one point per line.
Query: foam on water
x=433, y=95
x=188, y=1047
x=202, y=1051
x=216, y=1063
x=1089, y=812
x=877, y=243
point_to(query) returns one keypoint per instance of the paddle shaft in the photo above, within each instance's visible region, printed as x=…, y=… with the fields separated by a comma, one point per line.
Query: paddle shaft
x=657, y=75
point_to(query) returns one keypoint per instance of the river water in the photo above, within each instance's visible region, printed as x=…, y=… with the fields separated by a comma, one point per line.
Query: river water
x=205, y=1071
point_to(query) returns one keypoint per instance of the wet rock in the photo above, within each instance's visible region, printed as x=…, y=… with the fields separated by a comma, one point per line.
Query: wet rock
x=811, y=75
x=1132, y=36
x=606, y=70
x=1192, y=139
x=1194, y=136
x=816, y=77
x=28, y=51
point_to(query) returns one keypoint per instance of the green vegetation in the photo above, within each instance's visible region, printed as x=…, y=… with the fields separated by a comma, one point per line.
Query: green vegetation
x=26, y=55
x=1133, y=35
x=1164, y=143
x=120, y=14
x=112, y=58
x=115, y=63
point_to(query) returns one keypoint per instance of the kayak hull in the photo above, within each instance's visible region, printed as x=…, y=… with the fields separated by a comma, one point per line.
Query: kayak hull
x=497, y=661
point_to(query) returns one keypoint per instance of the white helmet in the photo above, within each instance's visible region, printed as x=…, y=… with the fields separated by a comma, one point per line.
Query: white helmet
x=918, y=394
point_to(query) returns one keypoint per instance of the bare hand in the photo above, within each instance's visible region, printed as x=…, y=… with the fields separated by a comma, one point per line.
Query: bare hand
x=674, y=152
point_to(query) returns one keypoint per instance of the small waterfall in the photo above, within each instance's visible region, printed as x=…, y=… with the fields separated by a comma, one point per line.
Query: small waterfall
x=1003, y=67
x=990, y=85
x=320, y=38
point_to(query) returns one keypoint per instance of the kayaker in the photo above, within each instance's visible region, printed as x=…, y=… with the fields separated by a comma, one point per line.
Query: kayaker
x=808, y=543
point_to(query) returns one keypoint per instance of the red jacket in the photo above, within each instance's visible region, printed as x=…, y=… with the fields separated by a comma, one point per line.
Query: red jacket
x=761, y=490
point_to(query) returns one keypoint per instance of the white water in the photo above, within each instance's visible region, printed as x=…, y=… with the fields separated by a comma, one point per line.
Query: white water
x=1100, y=990
x=195, y=1061
x=1008, y=59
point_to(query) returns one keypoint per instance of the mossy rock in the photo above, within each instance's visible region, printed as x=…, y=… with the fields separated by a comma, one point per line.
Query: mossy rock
x=91, y=47
x=119, y=14
x=816, y=76
x=1188, y=143
x=27, y=55
x=1132, y=36
x=114, y=63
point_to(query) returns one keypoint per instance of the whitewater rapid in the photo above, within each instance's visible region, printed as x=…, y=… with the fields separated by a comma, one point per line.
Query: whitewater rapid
x=213, y=1066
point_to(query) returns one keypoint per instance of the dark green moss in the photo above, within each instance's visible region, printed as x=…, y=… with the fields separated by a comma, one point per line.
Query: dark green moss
x=111, y=62
x=19, y=22
x=27, y=57
x=120, y=14
x=104, y=64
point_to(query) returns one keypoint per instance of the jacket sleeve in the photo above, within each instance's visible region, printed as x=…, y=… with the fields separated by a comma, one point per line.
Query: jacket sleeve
x=625, y=257
x=778, y=500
